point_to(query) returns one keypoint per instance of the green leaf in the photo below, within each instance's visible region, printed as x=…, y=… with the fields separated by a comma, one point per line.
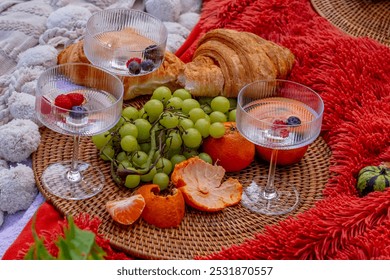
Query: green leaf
x=78, y=244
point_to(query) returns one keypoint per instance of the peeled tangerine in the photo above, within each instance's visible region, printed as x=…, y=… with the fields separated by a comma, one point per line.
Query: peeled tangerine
x=127, y=210
x=200, y=183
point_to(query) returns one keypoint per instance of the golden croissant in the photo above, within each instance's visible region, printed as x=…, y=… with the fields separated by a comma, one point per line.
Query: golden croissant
x=224, y=61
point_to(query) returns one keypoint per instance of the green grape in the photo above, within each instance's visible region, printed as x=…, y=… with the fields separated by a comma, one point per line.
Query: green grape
x=233, y=103
x=171, y=152
x=196, y=114
x=153, y=107
x=220, y=104
x=139, y=158
x=128, y=129
x=173, y=140
x=175, y=103
x=189, y=104
x=142, y=114
x=121, y=156
x=130, y=113
x=169, y=120
x=205, y=100
x=206, y=108
x=143, y=127
x=207, y=117
x=124, y=164
x=203, y=126
x=186, y=123
x=162, y=93
x=129, y=143
x=206, y=157
x=148, y=177
x=100, y=140
x=189, y=153
x=175, y=159
x=217, y=117
x=162, y=180
x=182, y=94
x=107, y=152
x=145, y=147
x=164, y=165
x=132, y=181
x=152, y=119
x=232, y=116
x=192, y=138
x=217, y=130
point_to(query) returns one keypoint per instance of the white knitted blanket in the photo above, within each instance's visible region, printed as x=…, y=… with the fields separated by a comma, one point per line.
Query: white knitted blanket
x=32, y=33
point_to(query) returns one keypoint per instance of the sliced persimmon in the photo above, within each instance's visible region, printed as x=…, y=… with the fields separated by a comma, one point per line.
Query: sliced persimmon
x=126, y=211
x=202, y=187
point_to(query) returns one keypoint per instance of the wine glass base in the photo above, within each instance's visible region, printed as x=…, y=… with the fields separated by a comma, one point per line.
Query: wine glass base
x=286, y=200
x=54, y=179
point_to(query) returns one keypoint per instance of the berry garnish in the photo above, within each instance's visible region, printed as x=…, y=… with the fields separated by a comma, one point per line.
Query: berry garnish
x=134, y=67
x=137, y=59
x=293, y=121
x=78, y=112
x=284, y=133
x=63, y=101
x=278, y=127
x=147, y=65
x=77, y=98
x=277, y=124
x=153, y=53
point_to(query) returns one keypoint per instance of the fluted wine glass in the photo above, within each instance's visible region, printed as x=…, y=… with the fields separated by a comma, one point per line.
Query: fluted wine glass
x=125, y=42
x=278, y=115
x=96, y=109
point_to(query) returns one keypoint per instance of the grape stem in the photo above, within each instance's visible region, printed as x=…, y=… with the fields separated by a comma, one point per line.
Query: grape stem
x=121, y=174
x=148, y=166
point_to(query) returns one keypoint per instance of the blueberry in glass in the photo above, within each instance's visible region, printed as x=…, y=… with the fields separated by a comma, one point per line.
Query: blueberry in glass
x=147, y=65
x=134, y=67
x=153, y=53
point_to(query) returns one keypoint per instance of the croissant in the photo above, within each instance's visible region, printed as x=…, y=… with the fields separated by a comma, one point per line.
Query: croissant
x=224, y=61
x=243, y=57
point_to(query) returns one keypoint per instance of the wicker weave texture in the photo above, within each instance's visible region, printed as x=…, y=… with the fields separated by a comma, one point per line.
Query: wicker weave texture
x=360, y=18
x=200, y=233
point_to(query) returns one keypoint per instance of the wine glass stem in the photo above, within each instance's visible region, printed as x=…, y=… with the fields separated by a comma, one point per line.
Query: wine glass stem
x=270, y=190
x=74, y=175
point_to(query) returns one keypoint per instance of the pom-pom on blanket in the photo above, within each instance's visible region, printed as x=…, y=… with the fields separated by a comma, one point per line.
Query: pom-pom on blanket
x=353, y=77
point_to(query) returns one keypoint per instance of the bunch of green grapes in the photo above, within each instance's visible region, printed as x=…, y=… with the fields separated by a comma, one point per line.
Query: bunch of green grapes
x=146, y=144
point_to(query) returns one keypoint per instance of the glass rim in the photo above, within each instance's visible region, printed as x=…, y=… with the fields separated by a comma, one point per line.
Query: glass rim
x=315, y=119
x=118, y=100
x=126, y=11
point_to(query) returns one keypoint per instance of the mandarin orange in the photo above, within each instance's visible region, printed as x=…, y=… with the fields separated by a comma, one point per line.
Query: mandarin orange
x=126, y=211
x=232, y=151
x=200, y=183
x=162, y=211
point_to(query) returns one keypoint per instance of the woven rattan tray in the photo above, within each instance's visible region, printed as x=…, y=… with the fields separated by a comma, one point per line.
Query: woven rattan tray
x=358, y=18
x=199, y=233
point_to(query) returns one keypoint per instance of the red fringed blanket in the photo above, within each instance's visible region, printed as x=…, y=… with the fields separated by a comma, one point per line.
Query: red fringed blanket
x=353, y=77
